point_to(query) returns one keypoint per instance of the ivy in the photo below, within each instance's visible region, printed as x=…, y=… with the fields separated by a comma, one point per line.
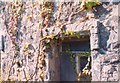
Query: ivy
x=85, y=54
x=86, y=72
x=72, y=58
x=89, y=4
x=46, y=12
x=12, y=23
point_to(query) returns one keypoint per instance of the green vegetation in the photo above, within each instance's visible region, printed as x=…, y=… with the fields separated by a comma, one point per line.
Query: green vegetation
x=89, y=4
x=47, y=9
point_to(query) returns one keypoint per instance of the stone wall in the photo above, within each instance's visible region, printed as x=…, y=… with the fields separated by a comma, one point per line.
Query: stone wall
x=108, y=57
x=103, y=28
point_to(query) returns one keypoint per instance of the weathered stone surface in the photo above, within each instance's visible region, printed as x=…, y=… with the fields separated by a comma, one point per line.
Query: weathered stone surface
x=103, y=38
x=96, y=73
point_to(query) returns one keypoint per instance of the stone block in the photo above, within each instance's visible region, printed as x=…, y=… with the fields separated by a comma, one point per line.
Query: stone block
x=96, y=70
x=106, y=68
x=94, y=30
x=94, y=41
x=104, y=79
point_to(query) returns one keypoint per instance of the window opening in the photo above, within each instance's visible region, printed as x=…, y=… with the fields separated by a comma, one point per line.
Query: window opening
x=74, y=59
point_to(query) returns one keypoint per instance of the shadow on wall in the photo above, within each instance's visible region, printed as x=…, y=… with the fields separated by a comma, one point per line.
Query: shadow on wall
x=101, y=11
x=104, y=9
x=103, y=37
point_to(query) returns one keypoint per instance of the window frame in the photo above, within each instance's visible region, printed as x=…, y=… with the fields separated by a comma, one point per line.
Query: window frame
x=77, y=57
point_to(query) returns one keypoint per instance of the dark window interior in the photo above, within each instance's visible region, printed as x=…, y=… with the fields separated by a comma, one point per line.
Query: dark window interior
x=76, y=46
x=67, y=70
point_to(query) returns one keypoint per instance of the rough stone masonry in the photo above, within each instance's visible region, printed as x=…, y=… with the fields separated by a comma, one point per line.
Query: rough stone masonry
x=103, y=29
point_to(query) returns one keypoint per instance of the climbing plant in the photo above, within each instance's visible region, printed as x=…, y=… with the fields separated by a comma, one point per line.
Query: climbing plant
x=86, y=71
x=46, y=13
x=89, y=4
x=12, y=21
x=47, y=9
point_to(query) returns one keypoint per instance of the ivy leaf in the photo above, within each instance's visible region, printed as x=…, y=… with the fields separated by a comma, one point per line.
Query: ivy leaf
x=50, y=36
x=56, y=38
x=26, y=47
x=72, y=33
x=82, y=4
x=77, y=35
x=13, y=6
x=89, y=4
x=62, y=38
x=48, y=41
x=47, y=45
x=42, y=76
